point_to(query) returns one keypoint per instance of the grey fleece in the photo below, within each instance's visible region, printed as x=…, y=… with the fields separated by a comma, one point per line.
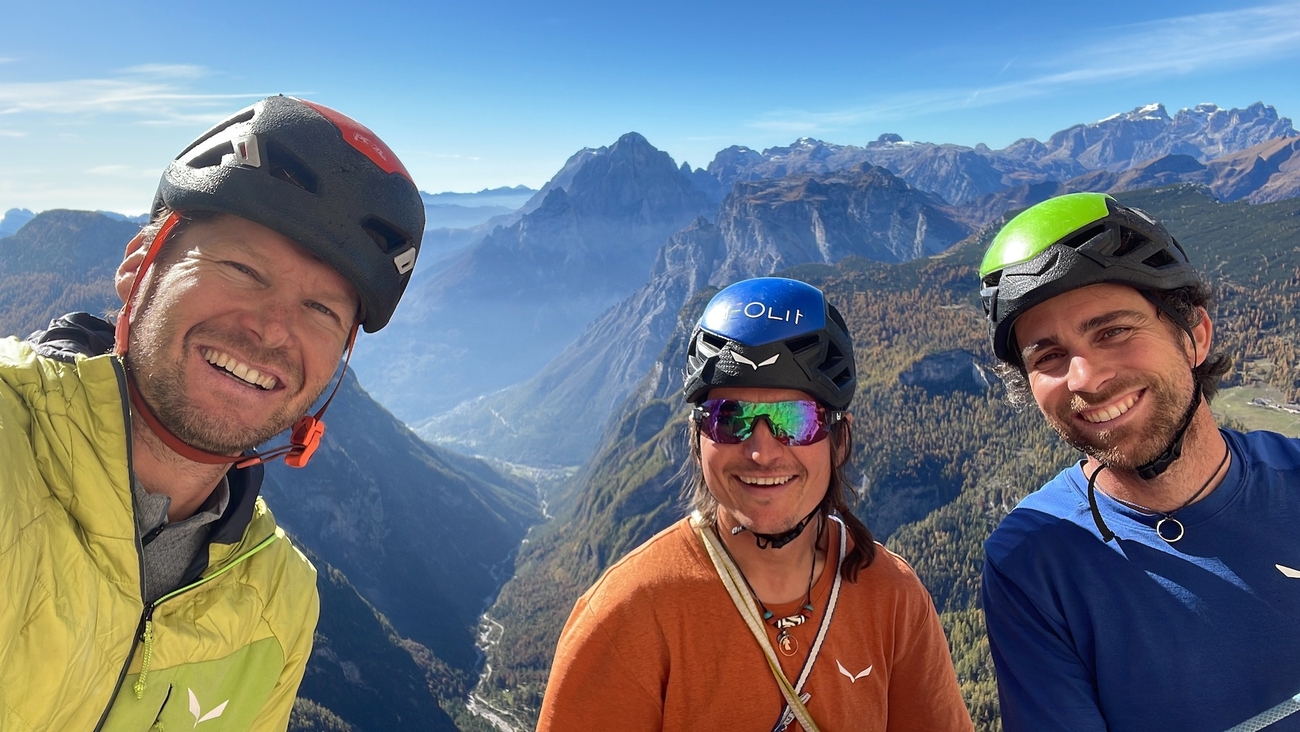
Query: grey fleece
x=169, y=552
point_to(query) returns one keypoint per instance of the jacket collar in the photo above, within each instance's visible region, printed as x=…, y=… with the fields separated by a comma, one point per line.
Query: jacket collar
x=82, y=334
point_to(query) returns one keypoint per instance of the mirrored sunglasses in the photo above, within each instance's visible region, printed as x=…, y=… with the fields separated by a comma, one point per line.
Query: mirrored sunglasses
x=793, y=423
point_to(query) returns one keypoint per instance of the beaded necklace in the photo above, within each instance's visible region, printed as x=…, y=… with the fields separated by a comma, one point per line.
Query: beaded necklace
x=785, y=641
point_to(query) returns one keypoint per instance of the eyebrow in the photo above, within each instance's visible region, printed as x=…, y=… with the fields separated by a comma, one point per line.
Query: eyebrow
x=1090, y=324
x=339, y=302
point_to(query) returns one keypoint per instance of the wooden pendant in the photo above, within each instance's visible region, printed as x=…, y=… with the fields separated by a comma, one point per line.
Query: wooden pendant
x=788, y=644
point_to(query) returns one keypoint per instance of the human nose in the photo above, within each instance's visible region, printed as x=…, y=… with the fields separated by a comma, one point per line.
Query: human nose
x=1087, y=375
x=762, y=446
x=272, y=322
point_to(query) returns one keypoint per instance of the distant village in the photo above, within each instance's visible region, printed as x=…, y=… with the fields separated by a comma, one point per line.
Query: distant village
x=1270, y=404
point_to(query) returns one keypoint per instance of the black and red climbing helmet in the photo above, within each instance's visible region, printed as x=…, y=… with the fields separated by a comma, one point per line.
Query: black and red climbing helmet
x=316, y=176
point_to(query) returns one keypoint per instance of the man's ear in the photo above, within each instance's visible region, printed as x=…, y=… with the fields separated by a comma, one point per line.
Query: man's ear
x=1203, y=333
x=129, y=269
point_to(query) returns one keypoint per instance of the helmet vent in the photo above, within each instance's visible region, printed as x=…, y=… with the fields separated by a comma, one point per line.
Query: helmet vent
x=712, y=340
x=244, y=116
x=1084, y=236
x=1129, y=241
x=802, y=343
x=835, y=362
x=385, y=235
x=1160, y=259
x=213, y=156
x=286, y=166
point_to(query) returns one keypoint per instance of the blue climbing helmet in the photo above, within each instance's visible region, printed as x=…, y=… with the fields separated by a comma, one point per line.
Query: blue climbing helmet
x=774, y=333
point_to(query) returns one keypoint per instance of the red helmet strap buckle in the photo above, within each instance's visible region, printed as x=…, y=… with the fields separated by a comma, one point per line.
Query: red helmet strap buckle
x=307, y=433
x=309, y=429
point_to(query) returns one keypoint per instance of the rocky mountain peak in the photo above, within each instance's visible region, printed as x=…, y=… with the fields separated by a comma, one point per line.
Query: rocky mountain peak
x=1149, y=113
x=13, y=220
x=633, y=181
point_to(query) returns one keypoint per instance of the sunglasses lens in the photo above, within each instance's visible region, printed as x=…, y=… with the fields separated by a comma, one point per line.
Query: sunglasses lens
x=793, y=423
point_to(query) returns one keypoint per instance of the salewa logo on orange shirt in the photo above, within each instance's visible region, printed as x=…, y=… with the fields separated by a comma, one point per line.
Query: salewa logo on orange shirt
x=853, y=678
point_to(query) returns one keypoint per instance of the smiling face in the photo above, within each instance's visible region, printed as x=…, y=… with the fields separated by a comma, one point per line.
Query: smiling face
x=1110, y=376
x=761, y=484
x=238, y=333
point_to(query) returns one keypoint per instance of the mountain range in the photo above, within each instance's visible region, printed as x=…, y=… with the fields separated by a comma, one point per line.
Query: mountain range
x=467, y=210
x=816, y=202
x=762, y=226
x=497, y=312
x=551, y=336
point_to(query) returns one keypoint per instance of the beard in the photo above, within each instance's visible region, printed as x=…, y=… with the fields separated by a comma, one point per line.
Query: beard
x=1135, y=444
x=162, y=382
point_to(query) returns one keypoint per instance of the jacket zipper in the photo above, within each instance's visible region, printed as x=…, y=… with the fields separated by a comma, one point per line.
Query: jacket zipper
x=139, y=548
x=146, y=616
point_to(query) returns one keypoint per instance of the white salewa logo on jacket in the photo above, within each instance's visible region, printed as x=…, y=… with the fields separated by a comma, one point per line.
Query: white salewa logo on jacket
x=197, y=711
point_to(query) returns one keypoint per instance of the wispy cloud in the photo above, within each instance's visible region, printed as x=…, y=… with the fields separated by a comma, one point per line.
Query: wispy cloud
x=174, y=71
x=153, y=93
x=1149, y=50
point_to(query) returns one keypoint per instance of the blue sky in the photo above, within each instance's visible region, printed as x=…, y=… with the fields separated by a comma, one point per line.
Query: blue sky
x=96, y=98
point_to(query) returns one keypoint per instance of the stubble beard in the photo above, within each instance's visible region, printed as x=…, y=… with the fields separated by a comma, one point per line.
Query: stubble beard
x=163, y=383
x=1135, y=444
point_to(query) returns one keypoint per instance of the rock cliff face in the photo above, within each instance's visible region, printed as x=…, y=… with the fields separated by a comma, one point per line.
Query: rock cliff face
x=864, y=211
x=582, y=386
x=498, y=312
x=946, y=372
x=763, y=226
x=1264, y=173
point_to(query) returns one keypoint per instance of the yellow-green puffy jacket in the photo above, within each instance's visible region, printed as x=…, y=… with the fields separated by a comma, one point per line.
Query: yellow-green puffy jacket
x=225, y=652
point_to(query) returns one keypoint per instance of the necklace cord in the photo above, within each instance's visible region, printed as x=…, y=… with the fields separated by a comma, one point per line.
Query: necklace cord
x=727, y=571
x=812, y=573
x=1107, y=534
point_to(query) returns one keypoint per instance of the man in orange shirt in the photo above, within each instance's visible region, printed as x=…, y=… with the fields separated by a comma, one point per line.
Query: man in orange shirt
x=724, y=620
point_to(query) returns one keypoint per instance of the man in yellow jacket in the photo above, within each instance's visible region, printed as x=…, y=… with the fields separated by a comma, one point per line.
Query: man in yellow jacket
x=143, y=583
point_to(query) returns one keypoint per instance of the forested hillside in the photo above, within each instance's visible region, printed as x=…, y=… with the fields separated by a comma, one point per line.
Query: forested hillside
x=939, y=461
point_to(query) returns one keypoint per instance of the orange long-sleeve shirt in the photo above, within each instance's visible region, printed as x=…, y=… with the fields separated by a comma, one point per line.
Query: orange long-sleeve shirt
x=656, y=644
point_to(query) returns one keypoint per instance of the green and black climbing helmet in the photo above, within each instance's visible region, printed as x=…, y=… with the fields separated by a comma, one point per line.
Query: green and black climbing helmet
x=1069, y=242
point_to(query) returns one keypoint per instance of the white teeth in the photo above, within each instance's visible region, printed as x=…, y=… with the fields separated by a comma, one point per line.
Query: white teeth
x=766, y=481
x=240, y=370
x=1111, y=412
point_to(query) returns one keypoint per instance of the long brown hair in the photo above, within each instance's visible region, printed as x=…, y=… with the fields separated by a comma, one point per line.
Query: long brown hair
x=862, y=554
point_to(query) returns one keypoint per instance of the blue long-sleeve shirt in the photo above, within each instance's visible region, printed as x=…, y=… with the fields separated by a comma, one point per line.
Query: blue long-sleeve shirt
x=1138, y=634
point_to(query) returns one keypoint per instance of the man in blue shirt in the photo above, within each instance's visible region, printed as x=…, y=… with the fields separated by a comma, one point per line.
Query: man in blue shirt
x=1155, y=585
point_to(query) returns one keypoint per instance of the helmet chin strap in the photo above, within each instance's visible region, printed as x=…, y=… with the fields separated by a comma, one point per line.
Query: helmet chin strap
x=1160, y=463
x=1174, y=450
x=776, y=541
x=307, y=431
